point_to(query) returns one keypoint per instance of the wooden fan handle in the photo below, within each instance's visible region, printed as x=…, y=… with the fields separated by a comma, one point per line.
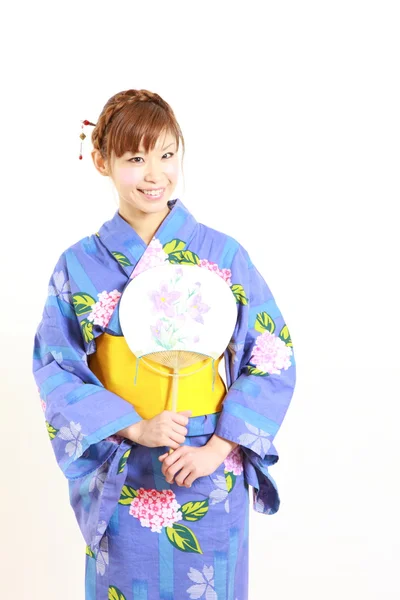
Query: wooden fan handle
x=175, y=378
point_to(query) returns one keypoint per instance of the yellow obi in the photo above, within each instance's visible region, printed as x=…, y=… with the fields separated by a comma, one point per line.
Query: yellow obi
x=115, y=365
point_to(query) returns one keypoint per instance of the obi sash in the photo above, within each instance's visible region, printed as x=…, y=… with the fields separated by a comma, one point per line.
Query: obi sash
x=200, y=390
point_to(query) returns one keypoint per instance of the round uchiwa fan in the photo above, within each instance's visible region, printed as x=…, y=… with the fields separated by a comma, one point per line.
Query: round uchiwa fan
x=177, y=315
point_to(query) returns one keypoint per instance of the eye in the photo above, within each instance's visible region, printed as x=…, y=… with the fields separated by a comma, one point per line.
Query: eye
x=139, y=157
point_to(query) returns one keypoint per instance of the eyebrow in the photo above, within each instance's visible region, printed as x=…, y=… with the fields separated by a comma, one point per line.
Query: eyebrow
x=171, y=144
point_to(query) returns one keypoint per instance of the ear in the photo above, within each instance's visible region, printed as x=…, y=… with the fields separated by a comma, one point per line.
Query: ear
x=99, y=162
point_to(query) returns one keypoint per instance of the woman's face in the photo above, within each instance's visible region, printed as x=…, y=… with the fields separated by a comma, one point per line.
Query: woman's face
x=133, y=173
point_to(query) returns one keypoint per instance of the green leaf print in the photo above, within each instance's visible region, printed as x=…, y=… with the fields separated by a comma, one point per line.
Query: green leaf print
x=193, y=511
x=51, y=430
x=82, y=302
x=123, y=460
x=183, y=538
x=264, y=323
x=255, y=371
x=89, y=552
x=238, y=292
x=230, y=480
x=122, y=259
x=127, y=495
x=87, y=330
x=174, y=246
x=285, y=336
x=186, y=257
x=115, y=594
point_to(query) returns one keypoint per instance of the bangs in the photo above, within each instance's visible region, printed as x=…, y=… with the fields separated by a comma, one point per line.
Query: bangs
x=141, y=122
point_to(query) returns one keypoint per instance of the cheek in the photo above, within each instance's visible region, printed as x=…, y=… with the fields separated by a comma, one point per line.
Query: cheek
x=129, y=176
x=172, y=170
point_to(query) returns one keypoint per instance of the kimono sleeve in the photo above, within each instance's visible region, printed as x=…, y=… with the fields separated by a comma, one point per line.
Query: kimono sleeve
x=80, y=413
x=263, y=370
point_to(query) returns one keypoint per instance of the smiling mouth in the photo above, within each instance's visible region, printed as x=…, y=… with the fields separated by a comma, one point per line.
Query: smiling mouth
x=151, y=194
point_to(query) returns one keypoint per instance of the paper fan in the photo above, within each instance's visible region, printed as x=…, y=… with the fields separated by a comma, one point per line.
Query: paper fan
x=177, y=315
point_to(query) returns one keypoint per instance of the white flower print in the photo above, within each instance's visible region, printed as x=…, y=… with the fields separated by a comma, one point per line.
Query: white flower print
x=102, y=556
x=61, y=287
x=234, y=349
x=221, y=493
x=99, y=478
x=257, y=439
x=203, y=583
x=101, y=527
x=59, y=358
x=73, y=436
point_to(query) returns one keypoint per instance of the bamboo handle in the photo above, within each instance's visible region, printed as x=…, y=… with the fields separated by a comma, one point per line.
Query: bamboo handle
x=174, y=395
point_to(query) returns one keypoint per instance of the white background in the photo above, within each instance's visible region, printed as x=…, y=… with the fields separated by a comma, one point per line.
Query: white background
x=290, y=114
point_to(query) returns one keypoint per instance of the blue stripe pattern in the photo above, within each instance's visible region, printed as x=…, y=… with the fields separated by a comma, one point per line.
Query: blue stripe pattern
x=114, y=522
x=63, y=307
x=139, y=589
x=229, y=250
x=79, y=275
x=170, y=230
x=251, y=416
x=220, y=568
x=165, y=548
x=135, y=250
x=81, y=392
x=54, y=381
x=233, y=552
x=84, y=491
x=269, y=307
x=90, y=578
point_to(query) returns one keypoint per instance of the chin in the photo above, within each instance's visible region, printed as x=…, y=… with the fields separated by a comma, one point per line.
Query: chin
x=153, y=206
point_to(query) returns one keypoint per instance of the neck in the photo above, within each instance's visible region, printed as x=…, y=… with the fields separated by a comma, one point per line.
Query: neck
x=145, y=224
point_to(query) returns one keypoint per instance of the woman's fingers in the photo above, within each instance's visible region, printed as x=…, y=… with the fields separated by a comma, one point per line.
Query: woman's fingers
x=184, y=477
x=177, y=437
x=173, y=469
x=172, y=444
x=179, y=429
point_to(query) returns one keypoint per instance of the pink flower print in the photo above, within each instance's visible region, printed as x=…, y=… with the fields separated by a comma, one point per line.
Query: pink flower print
x=225, y=274
x=153, y=256
x=270, y=353
x=234, y=461
x=164, y=300
x=114, y=438
x=43, y=403
x=103, y=309
x=162, y=334
x=197, y=308
x=155, y=508
x=157, y=328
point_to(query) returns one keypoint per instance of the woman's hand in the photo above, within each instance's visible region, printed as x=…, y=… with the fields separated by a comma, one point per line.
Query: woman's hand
x=191, y=462
x=168, y=428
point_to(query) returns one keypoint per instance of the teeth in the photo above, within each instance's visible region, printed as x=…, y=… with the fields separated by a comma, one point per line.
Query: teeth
x=153, y=192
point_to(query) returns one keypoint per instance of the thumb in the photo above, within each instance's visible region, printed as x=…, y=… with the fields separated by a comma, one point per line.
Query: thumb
x=185, y=412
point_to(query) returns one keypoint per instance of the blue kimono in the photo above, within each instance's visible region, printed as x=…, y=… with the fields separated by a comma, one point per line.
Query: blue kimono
x=147, y=539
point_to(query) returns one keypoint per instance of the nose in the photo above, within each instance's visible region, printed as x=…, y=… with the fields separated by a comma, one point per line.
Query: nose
x=154, y=172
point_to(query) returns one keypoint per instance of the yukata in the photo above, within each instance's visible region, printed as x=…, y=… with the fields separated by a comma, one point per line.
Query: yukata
x=147, y=539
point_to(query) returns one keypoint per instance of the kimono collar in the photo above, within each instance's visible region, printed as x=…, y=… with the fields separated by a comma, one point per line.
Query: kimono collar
x=127, y=247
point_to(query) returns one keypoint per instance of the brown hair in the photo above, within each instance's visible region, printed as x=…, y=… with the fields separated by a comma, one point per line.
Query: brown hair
x=129, y=116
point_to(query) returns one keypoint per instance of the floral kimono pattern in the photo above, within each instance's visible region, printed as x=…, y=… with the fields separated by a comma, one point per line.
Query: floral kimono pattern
x=147, y=539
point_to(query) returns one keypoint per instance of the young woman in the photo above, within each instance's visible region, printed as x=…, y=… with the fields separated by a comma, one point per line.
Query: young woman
x=158, y=525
